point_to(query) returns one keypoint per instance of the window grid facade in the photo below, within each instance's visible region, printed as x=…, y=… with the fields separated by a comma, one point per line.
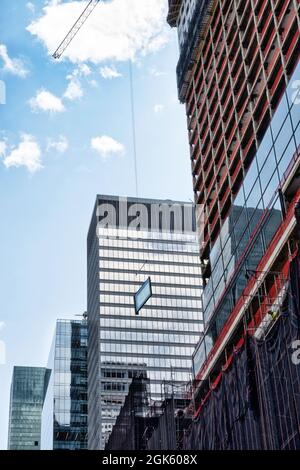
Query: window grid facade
x=258, y=193
x=187, y=9
x=64, y=418
x=27, y=395
x=157, y=344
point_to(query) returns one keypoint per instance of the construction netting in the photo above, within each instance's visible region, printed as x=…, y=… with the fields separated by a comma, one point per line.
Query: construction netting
x=128, y=431
x=172, y=421
x=256, y=402
x=164, y=435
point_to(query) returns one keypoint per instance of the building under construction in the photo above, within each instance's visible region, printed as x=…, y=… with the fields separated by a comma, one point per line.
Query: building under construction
x=238, y=74
x=174, y=416
x=144, y=424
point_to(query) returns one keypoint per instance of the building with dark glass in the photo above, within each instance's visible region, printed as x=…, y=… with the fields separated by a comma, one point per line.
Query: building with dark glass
x=130, y=429
x=28, y=389
x=142, y=425
x=64, y=417
x=130, y=240
x=238, y=76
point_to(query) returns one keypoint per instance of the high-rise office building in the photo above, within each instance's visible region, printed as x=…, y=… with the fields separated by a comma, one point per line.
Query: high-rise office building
x=130, y=240
x=27, y=395
x=238, y=75
x=64, y=417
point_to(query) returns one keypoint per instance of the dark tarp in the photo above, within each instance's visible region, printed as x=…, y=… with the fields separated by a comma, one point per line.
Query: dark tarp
x=256, y=404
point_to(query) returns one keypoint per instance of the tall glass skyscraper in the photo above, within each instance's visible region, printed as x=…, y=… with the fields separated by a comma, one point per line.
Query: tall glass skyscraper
x=64, y=417
x=130, y=240
x=27, y=395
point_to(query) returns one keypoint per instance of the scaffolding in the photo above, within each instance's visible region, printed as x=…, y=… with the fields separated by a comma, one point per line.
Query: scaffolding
x=189, y=50
x=128, y=431
x=264, y=306
x=153, y=425
x=254, y=402
x=173, y=416
x=174, y=8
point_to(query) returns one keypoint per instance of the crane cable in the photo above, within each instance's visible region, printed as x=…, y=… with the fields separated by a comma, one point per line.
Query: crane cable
x=133, y=123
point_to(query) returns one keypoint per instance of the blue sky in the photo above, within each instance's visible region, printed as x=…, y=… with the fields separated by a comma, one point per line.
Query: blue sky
x=65, y=135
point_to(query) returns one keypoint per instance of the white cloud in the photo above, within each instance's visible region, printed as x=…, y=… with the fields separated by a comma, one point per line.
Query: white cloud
x=13, y=66
x=158, y=108
x=107, y=146
x=84, y=70
x=2, y=325
x=61, y=145
x=3, y=147
x=117, y=30
x=156, y=73
x=30, y=7
x=109, y=72
x=27, y=153
x=47, y=102
x=93, y=83
x=74, y=90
